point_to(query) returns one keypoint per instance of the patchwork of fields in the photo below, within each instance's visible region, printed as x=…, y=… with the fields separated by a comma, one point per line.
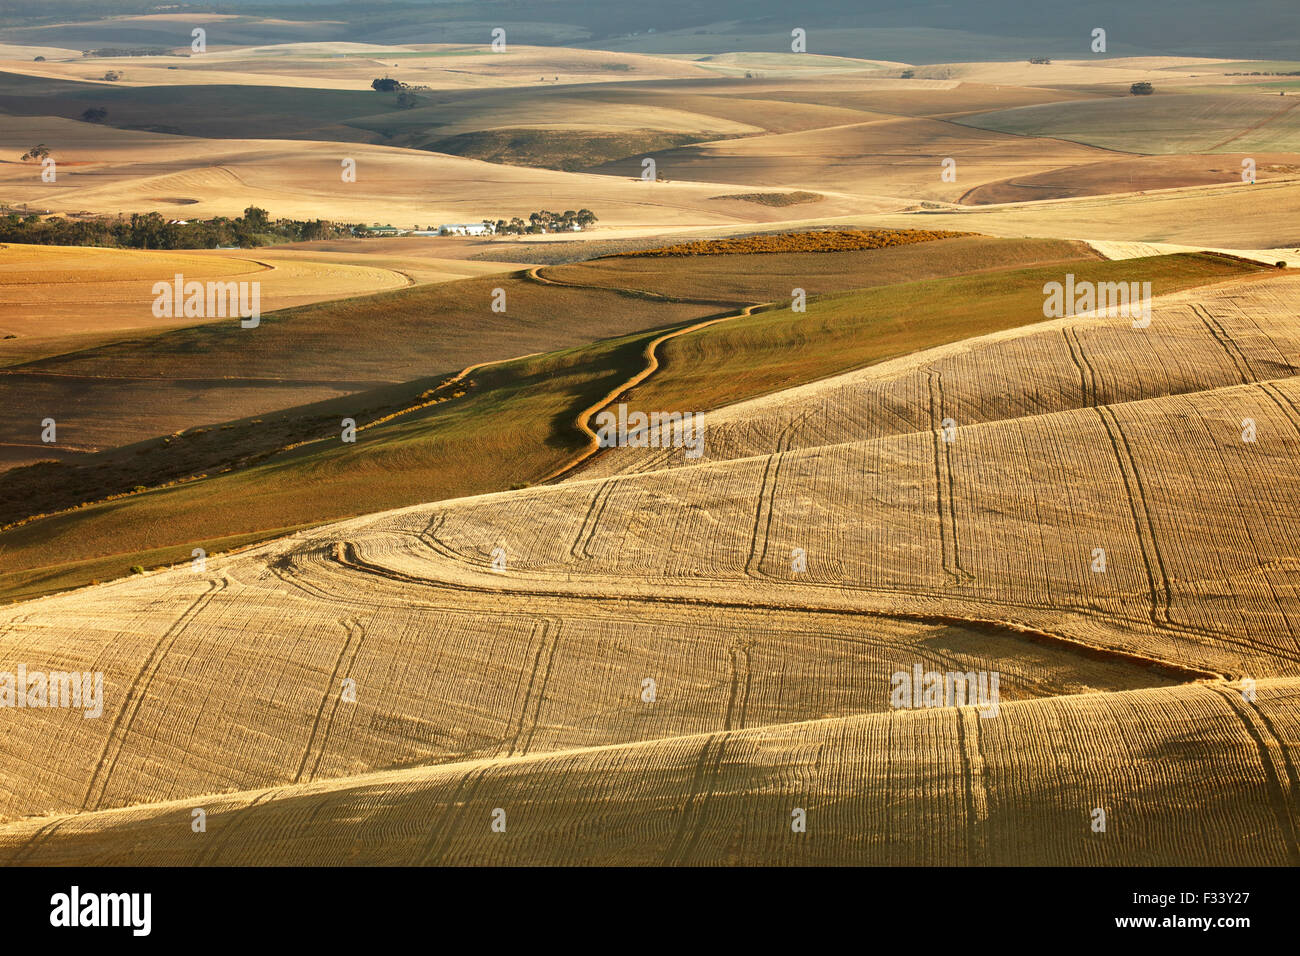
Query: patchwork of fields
x=720, y=487
x=499, y=645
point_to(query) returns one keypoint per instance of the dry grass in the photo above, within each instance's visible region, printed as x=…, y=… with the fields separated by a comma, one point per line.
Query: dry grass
x=831, y=240
x=796, y=198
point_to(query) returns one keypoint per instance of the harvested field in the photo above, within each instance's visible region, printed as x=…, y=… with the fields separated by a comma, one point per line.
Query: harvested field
x=778, y=494
x=975, y=557
x=880, y=157
x=1171, y=123
x=57, y=292
x=726, y=798
x=1131, y=175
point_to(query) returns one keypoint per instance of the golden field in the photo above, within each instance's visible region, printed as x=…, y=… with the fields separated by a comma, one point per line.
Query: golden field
x=364, y=579
x=977, y=551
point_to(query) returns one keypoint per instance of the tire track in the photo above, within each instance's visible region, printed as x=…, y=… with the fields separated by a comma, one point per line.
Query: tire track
x=741, y=671
x=450, y=820
x=694, y=809
x=767, y=498
x=551, y=634
x=135, y=696
x=944, y=484
x=1284, y=403
x=1282, y=805
x=1143, y=524
x=581, y=547
x=36, y=841
x=1087, y=373
x=225, y=835
x=356, y=635
x=544, y=632
x=344, y=553
x=974, y=794
x=1226, y=341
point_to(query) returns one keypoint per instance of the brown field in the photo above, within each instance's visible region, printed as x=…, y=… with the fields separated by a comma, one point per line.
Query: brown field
x=58, y=292
x=867, y=142
x=528, y=406
x=351, y=66
x=193, y=177
x=1130, y=176
x=883, y=157
x=356, y=652
x=203, y=375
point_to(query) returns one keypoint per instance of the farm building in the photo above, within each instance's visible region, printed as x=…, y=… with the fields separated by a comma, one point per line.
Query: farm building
x=465, y=229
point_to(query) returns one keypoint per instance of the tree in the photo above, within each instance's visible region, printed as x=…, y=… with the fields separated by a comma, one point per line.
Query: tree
x=39, y=151
x=1142, y=89
x=39, y=59
x=406, y=101
x=387, y=85
x=255, y=218
x=113, y=76
x=96, y=114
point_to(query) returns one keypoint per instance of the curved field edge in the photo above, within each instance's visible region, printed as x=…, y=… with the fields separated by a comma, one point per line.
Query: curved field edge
x=521, y=420
x=775, y=348
x=926, y=787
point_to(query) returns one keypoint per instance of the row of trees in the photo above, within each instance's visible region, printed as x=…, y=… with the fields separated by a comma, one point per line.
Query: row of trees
x=544, y=221
x=151, y=231
x=406, y=98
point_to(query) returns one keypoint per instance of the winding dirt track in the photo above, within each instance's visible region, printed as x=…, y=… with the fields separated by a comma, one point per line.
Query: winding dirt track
x=582, y=421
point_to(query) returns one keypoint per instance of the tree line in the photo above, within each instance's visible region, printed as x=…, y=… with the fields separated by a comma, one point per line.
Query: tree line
x=151, y=231
x=543, y=221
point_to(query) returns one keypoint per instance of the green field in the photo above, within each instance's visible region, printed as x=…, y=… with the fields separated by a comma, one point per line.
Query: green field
x=157, y=384
x=777, y=348
x=514, y=422
x=512, y=425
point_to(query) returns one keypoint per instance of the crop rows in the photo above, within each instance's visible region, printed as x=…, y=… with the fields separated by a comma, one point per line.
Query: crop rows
x=938, y=787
